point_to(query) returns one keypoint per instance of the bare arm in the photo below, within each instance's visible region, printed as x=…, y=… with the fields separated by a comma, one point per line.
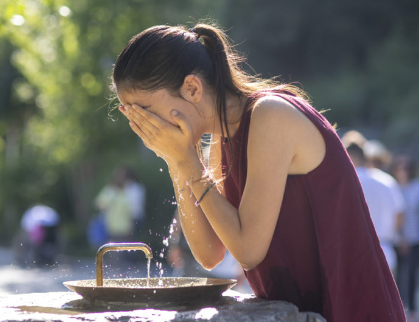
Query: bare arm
x=204, y=243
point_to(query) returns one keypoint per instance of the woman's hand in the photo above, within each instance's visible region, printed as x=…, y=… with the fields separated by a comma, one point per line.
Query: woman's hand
x=172, y=142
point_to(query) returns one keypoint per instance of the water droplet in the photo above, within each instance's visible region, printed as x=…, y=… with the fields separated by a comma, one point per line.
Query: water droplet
x=161, y=170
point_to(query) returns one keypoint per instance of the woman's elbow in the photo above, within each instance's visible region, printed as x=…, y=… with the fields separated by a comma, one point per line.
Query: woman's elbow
x=211, y=261
x=248, y=262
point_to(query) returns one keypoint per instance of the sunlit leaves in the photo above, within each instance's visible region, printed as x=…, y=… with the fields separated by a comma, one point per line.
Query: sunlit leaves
x=56, y=118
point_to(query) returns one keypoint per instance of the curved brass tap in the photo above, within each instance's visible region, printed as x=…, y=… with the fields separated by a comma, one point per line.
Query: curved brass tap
x=117, y=246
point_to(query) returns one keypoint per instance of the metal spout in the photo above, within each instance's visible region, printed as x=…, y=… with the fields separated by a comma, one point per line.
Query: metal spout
x=117, y=246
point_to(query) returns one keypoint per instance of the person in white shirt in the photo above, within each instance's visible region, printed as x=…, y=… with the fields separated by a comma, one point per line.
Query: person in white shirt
x=382, y=206
x=378, y=159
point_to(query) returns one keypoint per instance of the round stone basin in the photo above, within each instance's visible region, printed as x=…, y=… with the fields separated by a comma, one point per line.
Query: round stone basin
x=142, y=290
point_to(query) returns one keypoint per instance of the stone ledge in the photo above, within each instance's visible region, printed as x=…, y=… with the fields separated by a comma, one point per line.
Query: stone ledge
x=70, y=307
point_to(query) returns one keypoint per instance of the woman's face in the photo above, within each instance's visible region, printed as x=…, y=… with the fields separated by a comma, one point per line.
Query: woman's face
x=159, y=102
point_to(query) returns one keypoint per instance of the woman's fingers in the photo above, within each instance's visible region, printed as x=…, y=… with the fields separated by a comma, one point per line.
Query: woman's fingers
x=179, y=119
x=137, y=130
x=144, y=115
x=165, y=138
x=123, y=110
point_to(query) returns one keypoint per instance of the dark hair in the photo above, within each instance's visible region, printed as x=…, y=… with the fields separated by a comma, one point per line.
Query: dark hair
x=162, y=56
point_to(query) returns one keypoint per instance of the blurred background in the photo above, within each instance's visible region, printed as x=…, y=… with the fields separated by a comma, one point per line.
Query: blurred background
x=358, y=60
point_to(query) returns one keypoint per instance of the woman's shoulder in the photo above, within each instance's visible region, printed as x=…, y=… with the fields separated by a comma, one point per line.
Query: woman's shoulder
x=273, y=117
x=275, y=108
x=280, y=123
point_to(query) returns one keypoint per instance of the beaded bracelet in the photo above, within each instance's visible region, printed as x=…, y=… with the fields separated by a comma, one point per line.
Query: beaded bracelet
x=205, y=192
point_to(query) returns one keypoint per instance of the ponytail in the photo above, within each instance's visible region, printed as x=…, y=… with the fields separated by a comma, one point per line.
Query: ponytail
x=223, y=62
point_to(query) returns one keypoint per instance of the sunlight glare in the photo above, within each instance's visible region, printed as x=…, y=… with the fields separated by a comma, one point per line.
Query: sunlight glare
x=17, y=20
x=64, y=11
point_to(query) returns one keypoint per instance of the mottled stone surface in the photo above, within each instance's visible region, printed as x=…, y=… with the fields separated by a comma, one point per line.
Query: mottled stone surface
x=70, y=307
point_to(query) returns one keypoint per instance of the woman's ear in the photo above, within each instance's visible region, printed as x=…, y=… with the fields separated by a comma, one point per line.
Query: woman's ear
x=191, y=89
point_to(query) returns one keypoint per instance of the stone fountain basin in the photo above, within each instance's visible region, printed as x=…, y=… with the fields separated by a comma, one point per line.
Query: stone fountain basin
x=170, y=290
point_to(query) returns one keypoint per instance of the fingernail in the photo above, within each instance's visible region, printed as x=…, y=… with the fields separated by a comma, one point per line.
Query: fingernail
x=174, y=112
x=122, y=108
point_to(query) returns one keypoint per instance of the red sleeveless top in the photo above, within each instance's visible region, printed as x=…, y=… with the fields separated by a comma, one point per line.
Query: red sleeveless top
x=324, y=256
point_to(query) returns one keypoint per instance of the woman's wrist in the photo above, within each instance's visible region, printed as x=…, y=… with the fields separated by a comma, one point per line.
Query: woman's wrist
x=189, y=167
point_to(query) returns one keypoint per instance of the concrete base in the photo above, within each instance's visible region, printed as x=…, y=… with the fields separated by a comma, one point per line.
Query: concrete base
x=70, y=307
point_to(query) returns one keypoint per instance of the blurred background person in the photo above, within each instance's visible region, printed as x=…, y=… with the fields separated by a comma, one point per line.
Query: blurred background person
x=113, y=202
x=136, y=194
x=377, y=155
x=404, y=170
x=384, y=210
x=37, y=244
x=379, y=161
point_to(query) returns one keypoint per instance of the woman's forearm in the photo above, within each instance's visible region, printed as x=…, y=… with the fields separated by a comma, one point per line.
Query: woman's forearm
x=234, y=230
x=204, y=243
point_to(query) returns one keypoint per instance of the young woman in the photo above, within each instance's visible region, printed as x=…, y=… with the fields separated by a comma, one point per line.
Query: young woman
x=279, y=191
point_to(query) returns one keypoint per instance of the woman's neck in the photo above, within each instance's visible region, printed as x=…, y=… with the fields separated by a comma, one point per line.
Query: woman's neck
x=235, y=108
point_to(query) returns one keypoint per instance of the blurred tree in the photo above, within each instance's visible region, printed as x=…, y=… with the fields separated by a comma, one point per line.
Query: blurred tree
x=59, y=147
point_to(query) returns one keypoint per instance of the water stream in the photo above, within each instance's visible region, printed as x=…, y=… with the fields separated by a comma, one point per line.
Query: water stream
x=148, y=271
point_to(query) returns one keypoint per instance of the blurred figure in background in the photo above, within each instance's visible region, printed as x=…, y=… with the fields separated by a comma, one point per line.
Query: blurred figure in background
x=136, y=194
x=378, y=156
x=379, y=160
x=383, y=208
x=404, y=170
x=113, y=202
x=38, y=242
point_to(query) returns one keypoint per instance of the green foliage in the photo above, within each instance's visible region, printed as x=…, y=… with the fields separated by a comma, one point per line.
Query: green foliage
x=57, y=144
